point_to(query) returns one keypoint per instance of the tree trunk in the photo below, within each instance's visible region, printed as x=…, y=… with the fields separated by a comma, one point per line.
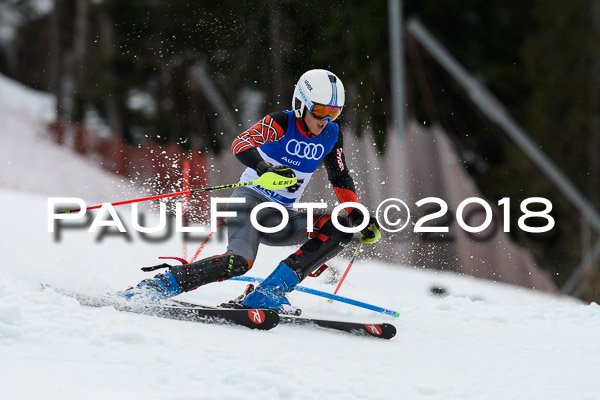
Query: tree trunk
x=594, y=134
x=277, y=52
x=56, y=65
x=114, y=113
x=79, y=59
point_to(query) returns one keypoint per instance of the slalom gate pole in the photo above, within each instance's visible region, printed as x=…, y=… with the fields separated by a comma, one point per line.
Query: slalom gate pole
x=186, y=201
x=268, y=180
x=315, y=292
x=220, y=220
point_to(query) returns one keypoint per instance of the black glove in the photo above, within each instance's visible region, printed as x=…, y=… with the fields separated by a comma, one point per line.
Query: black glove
x=355, y=217
x=371, y=233
x=282, y=170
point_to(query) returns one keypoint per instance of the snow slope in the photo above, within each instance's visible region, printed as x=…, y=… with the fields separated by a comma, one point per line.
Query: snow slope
x=22, y=99
x=483, y=341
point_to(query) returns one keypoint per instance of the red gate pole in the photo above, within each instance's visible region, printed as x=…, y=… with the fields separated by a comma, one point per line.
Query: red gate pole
x=186, y=202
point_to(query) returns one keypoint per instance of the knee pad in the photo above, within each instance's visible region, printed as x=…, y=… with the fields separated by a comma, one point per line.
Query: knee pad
x=212, y=269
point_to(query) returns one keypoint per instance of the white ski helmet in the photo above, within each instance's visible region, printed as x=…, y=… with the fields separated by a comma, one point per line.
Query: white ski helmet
x=321, y=93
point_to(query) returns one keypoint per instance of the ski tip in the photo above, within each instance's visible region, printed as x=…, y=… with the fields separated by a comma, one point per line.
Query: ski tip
x=382, y=331
x=390, y=331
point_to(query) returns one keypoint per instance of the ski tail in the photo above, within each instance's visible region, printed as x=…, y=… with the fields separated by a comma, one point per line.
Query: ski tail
x=251, y=318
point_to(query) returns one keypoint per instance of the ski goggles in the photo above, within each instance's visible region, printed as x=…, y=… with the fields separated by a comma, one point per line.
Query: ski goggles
x=322, y=112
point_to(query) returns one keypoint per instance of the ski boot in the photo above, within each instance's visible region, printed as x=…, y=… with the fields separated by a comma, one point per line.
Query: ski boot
x=271, y=292
x=286, y=309
x=161, y=287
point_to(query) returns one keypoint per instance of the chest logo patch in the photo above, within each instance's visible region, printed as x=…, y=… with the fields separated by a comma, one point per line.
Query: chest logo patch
x=309, y=151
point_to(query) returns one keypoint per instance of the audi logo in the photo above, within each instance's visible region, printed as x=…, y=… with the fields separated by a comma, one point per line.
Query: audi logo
x=310, y=151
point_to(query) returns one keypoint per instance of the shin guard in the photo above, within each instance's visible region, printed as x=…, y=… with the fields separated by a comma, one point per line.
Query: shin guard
x=324, y=244
x=209, y=270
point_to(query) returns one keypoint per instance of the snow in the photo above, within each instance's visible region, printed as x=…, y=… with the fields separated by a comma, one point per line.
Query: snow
x=484, y=340
x=21, y=99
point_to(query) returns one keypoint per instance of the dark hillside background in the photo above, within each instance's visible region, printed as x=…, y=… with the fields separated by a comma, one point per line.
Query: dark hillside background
x=139, y=68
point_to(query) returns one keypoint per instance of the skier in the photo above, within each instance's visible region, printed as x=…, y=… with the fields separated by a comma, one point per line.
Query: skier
x=291, y=143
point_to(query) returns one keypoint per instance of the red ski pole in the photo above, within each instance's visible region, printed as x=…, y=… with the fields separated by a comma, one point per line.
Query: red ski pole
x=268, y=180
x=348, y=268
x=118, y=203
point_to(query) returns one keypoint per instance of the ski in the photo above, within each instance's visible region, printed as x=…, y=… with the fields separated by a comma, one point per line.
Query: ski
x=250, y=318
x=382, y=331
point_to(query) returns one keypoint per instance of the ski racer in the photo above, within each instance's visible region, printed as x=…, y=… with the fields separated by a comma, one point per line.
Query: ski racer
x=290, y=143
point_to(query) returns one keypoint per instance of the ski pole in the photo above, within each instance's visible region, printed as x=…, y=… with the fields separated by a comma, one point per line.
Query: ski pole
x=316, y=292
x=348, y=267
x=268, y=180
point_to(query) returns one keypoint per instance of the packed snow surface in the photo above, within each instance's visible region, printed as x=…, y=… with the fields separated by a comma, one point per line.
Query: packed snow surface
x=483, y=340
